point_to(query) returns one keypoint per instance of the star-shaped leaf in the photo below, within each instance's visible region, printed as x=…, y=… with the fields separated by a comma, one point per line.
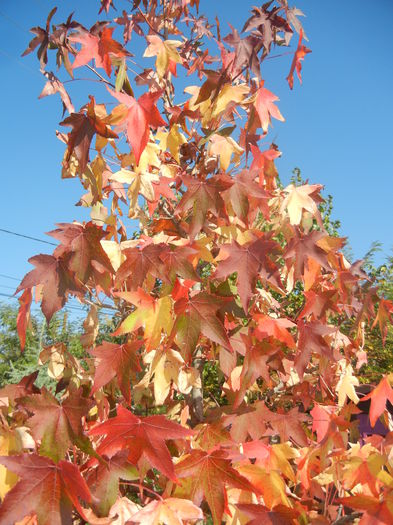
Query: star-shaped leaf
x=171, y=511
x=207, y=475
x=116, y=361
x=104, y=478
x=250, y=261
x=379, y=396
x=300, y=53
x=166, y=53
x=301, y=198
x=46, y=488
x=56, y=279
x=303, y=247
x=139, y=116
x=86, y=256
x=140, y=437
x=84, y=125
x=224, y=148
x=100, y=48
x=201, y=310
x=140, y=262
x=246, y=197
x=154, y=315
x=57, y=425
x=312, y=340
x=275, y=327
x=264, y=104
x=201, y=197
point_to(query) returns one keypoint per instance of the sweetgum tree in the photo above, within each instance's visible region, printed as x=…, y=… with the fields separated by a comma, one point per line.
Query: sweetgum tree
x=226, y=391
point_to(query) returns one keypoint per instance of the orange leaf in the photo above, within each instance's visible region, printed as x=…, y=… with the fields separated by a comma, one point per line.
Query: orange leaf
x=379, y=396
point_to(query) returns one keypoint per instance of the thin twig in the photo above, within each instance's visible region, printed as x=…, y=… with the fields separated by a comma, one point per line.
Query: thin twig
x=136, y=485
x=149, y=24
x=100, y=76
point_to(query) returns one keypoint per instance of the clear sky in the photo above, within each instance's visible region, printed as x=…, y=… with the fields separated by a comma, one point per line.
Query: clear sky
x=337, y=129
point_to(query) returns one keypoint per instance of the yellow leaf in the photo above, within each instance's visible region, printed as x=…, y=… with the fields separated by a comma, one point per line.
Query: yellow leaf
x=10, y=443
x=224, y=148
x=154, y=316
x=203, y=106
x=172, y=141
x=141, y=183
x=149, y=157
x=204, y=253
x=279, y=456
x=165, y=365
x=229, y=94
x=270, y=483
x=346, y=385
x=91, y=326
x=298, y=199
x=165, y=51
x=55, y=355
x=113, y=251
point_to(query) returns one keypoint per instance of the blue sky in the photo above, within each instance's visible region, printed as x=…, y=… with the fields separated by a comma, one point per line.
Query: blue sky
x=337, y=129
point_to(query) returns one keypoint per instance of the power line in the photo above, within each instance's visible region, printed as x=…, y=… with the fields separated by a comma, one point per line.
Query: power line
x=27, y=237
x=9, y=277
x=67, y=306
x=5, y=286
x=7, y=295
x=101, y=309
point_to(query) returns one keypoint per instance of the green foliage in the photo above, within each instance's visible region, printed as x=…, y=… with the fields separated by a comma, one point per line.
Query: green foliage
x=380, y=357
x=14, y=364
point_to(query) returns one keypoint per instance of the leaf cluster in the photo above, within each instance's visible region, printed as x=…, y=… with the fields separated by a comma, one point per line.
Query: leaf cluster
x=227, y=388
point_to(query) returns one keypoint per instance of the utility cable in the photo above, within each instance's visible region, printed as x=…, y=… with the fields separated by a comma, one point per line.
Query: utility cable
x=27, y=237
x=10, y=277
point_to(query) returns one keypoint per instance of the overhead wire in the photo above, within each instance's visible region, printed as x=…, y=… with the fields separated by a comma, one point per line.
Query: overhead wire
x=10, y=277
x=27, y=236
x=5, y=286
x=67, y=306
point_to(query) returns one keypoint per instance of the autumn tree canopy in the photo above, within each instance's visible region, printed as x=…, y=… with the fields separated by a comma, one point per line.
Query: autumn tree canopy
x=227, y=390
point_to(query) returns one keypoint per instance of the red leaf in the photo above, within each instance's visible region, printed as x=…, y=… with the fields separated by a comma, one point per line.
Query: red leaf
x=287, y=425
x=86, y=256
x=54, y=276
x=47, y=488
x=140, y=262
x=276, y=328
x=246, y=196
x=384, y=316
x=141, y=437
x=209, y=473
x=321, y=416
x=300, y=53
x=103, y=481
x=100, y=48
x=25, y=387
x=264, y=104
x=141, y=114
x=250, y=261
x=280, y=515
x=201, y=311
x=57, y=425
x=201, y=197
x=312, y=340
x=22, y=321
x=105, y=5
x=116, y=361
x=303, y=247
x=379, y=396
x=84, y=125
x=254, y=366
